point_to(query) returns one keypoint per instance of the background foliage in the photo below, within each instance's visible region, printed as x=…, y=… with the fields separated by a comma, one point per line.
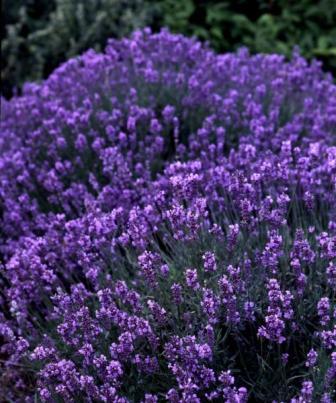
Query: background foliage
x=264, y=26
x=40, y=34
x=37, y=35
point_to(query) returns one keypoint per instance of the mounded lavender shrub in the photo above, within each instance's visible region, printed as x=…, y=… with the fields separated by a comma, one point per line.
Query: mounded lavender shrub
x=169, y=228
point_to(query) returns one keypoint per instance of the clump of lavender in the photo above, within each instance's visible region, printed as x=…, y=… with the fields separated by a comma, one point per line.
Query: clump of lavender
x=168, y=228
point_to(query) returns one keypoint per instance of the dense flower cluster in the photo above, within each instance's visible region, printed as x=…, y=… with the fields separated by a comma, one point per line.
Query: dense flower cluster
x=169, y=228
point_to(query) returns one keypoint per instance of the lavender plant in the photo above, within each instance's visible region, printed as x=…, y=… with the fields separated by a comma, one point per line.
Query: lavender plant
x=169, y=228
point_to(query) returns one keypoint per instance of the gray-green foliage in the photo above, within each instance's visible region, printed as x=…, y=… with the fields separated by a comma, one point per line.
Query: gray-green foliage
x=34, y=45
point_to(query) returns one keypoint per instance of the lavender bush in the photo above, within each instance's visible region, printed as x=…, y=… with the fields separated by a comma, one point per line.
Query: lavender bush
x=169, y=228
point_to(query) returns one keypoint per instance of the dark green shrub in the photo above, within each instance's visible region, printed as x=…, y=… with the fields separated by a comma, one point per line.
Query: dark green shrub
x=274, y=26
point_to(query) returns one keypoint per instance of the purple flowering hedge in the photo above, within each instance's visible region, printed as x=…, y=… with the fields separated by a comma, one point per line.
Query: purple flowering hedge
x=168, y=229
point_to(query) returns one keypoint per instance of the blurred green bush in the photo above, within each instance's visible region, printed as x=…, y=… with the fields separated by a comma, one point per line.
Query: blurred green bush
x=261, y=25
x=37, y=35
